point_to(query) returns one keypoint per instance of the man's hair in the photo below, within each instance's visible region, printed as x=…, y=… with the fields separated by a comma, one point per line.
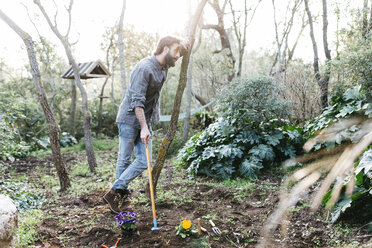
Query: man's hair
x=166, y=41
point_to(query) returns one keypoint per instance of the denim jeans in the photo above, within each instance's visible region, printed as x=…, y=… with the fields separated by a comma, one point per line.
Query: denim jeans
x=129, y=140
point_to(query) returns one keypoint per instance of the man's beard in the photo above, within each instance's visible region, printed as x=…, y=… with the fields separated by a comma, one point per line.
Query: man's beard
x=169, y=60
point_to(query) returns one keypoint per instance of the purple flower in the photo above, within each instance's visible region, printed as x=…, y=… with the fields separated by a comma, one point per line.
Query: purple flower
x=126, y=218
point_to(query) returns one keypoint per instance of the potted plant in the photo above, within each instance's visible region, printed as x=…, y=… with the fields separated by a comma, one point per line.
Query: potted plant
x=127, y=222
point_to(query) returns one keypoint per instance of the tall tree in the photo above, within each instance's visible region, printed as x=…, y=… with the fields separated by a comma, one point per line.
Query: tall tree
x=101, y=96
x=86, y=114
x=53, y=126
x=121, y=48
x=241, y=36
x=167, y=140
x=220, y=28
x=322, y=81
x=284, y=53
x=188, y=89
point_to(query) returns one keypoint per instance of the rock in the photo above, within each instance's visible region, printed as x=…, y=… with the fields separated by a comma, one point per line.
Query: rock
x=8, y=222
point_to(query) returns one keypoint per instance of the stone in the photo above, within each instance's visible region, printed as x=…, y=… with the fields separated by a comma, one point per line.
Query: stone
x=8, y=222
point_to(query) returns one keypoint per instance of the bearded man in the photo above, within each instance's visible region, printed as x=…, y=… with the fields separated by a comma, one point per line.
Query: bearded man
x=140, y=105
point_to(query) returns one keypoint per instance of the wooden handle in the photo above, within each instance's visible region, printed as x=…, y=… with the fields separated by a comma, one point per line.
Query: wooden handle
x=199, y=227
x=150, y=182
x=210, y=221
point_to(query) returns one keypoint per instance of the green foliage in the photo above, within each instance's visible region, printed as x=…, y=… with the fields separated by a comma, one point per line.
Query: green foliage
x=353, y=65
x=363, y=182
x=185, y=229
x=353, y=102
x=28, y=220
x=11, y=145
x=21, y=194
x=250, y=101
x=246, y=137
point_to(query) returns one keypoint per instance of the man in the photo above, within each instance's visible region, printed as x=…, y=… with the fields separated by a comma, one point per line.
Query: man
x=139, y=106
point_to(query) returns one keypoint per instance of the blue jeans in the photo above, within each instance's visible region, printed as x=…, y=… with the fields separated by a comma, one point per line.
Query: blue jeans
x=129, y=140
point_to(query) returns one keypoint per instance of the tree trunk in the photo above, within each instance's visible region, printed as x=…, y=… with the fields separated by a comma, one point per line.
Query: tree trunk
x=103, y=88
x=72, y=109
x=325, y=80
x=201, y=101
x=84, y=103
x=101, y=107
x=365, y=19
x=323, y=84
x=53, y=127
x=167, y=140
x=188, y=104
x=121, y=48
x=241, y=38
x=220, y=28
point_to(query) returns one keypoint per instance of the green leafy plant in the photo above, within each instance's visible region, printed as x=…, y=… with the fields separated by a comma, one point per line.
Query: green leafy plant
x=363, y=183
x=21, y=194
x=250, y=133
x=352, y=102
x=126, y=220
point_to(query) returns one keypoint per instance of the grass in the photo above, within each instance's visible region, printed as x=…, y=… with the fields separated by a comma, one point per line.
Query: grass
x=98, y=145
x=27, y=221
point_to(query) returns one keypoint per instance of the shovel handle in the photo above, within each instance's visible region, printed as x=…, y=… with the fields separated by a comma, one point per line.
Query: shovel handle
x=150, y=182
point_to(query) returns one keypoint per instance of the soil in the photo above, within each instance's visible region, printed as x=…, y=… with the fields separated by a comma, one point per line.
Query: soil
x=85, y=221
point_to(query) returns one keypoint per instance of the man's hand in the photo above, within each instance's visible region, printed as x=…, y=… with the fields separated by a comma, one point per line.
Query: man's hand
x=145, y=135
x=185, y=46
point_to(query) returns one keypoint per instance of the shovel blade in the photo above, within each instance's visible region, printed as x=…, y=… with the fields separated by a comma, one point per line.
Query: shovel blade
x=156, y=227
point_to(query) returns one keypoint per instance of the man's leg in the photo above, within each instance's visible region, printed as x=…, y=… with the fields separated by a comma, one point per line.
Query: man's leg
x=127, y=138
x=138, y=166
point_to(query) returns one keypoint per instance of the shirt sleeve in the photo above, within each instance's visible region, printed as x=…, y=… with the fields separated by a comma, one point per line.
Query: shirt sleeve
x=139, y=83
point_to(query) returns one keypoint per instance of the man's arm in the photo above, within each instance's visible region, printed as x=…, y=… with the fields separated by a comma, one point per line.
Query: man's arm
x=145, y=133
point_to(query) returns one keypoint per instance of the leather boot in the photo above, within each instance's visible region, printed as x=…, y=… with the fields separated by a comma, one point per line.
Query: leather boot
x=124, y=201
x=112, y=198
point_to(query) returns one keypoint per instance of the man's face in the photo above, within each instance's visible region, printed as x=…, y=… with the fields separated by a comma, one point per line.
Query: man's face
x=173, y=55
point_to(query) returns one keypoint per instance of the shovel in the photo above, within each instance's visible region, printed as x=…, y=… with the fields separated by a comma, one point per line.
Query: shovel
x=151, y=190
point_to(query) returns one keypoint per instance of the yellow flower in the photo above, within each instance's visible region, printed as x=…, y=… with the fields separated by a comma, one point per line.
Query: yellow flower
x=186, y=224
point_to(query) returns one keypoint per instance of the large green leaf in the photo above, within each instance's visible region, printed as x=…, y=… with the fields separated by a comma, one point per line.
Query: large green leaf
x=263, y=152
x=339, y=208
x=365, y=163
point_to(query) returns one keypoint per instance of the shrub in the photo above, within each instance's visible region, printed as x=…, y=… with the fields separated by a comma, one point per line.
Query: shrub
x=351, y=104
x=246, y=136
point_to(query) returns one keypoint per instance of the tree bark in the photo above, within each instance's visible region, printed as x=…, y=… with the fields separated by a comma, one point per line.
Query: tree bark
x=325, y=79
x=72, y=109
x=121, y=48
x=103, y=88
x=220, y=28
x=284, y=55
x=53, y=126
x=86, y=114
x=167, y=140
x=323, y=84
x=188, y=104
x=241, y=38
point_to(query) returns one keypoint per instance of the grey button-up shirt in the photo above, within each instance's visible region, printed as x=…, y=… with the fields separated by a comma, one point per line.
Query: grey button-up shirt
x=146, y=81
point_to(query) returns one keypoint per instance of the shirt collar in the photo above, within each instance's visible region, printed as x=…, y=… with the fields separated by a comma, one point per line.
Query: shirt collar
x=157, y=64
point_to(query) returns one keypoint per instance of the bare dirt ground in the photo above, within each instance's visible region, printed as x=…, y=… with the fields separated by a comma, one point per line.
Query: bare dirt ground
x=239, y=210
